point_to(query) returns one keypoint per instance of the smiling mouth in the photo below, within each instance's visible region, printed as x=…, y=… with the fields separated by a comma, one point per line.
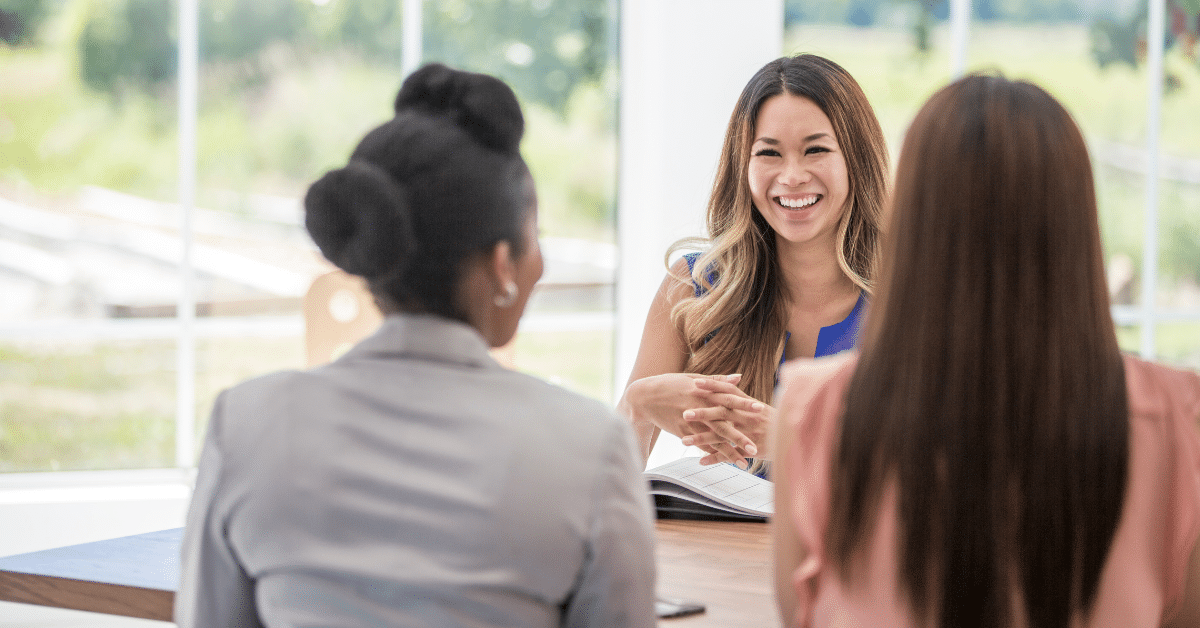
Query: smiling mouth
x=798, y=203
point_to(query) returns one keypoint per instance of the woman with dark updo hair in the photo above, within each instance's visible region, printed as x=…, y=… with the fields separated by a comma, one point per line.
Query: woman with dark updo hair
x=405, y=483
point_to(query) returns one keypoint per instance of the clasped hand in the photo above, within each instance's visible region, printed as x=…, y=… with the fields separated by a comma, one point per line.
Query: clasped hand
x=709, y=412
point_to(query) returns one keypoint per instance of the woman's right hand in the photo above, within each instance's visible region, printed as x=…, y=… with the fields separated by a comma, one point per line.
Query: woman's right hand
x=660, y=402
x=732, y=417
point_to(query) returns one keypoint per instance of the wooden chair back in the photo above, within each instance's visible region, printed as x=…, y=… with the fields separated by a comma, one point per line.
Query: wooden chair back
x=339, y=311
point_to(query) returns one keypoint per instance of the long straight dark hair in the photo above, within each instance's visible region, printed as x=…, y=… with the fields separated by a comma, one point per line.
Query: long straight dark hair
x=990, y=388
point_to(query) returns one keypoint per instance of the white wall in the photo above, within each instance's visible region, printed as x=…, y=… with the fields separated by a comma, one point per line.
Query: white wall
x=683, y=64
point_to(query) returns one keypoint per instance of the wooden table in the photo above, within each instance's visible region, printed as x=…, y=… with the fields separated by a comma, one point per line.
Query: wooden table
x=725, y=566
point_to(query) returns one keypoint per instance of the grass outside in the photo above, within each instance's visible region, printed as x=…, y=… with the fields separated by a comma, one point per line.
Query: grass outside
x=112, y=406
x=104, y=405
x=581, y=361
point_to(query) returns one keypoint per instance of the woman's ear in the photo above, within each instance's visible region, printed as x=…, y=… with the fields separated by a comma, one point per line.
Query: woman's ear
x=502, y=269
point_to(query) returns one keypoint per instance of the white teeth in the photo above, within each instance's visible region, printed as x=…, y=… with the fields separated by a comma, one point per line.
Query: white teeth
x=798, y=203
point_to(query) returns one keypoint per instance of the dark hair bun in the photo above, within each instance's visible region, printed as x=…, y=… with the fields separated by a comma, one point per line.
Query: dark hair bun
x=359, y=218
x=481, y=105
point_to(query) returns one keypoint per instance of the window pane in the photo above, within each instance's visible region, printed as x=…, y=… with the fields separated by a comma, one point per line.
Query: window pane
x=580, y=360
x=88, y=243
x=1179, y=167
x=86, y=404
x=1083, y=57
x=897, y=64
x=559, y=57
x=89, y=233
x=1179, y=343
x=1129, y=338
x=289, y=88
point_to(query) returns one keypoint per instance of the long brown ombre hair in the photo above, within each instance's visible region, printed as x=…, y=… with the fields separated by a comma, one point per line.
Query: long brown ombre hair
x=990, y=390
x=746, y=301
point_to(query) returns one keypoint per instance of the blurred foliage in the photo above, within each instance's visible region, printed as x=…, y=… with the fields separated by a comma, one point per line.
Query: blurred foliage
x=104, y=405
x=131, y=44
x=888, y=12
x=261, y=61
x=241, y=30
x=1118, y=35
x=369, y=27
x=863, y=13
x=930, y=10
x=920, y=16
x=110, y=404
x=127, y=44
x=1181, y=231
x=1122, y=39
x=1116, y=40
x=543, y=48
x=21, y=19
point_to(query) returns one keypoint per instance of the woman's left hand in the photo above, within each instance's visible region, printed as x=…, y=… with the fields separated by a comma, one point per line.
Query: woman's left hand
x=731, y=420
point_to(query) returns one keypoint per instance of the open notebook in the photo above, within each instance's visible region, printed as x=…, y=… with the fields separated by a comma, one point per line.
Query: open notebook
x=686, y=489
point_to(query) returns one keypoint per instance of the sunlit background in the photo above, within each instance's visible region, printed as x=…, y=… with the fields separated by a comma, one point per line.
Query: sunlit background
x=96, y=371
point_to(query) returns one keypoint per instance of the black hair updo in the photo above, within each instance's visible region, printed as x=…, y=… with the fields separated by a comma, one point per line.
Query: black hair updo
x=440, y=182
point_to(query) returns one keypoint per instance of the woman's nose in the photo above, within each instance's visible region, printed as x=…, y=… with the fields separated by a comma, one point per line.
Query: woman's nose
x=793, y=173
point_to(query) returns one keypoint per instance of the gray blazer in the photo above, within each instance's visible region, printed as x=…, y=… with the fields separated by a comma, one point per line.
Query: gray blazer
x=416, y=482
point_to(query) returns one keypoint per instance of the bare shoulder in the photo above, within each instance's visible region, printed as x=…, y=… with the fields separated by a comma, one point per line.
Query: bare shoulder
x=677, y=284
x=661, y=349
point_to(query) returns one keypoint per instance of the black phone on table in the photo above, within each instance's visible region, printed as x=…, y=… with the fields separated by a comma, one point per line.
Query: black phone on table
x=667, y=608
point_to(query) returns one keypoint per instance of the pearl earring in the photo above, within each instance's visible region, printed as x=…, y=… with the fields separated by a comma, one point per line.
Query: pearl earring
x=509, y=297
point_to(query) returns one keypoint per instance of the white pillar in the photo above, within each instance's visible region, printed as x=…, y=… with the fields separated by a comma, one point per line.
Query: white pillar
x=185, y=354
x=960, y=27
x=412, y=42
x=683, y=64
x=1154, y=95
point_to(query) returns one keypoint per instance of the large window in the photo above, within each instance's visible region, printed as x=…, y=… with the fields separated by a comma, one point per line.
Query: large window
x=103, y=181
x=1096, y=61
x=88, y=251
x=96, y=370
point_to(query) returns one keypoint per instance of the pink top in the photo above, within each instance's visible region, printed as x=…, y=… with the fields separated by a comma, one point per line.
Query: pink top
x=1143, y=579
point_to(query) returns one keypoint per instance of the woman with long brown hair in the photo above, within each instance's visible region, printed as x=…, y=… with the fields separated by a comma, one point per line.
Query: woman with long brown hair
x=989, y=458
x=793, y=223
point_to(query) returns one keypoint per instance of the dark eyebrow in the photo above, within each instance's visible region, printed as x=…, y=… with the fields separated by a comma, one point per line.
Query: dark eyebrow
x=811, y=138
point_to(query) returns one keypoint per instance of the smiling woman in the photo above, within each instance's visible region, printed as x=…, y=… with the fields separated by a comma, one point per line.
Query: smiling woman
x=793, y=223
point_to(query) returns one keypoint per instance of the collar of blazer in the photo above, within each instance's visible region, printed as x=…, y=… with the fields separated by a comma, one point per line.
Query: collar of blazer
x=424, y=336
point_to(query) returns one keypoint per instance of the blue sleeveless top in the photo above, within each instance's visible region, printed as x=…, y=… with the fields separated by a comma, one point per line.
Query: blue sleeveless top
x=832, y=339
